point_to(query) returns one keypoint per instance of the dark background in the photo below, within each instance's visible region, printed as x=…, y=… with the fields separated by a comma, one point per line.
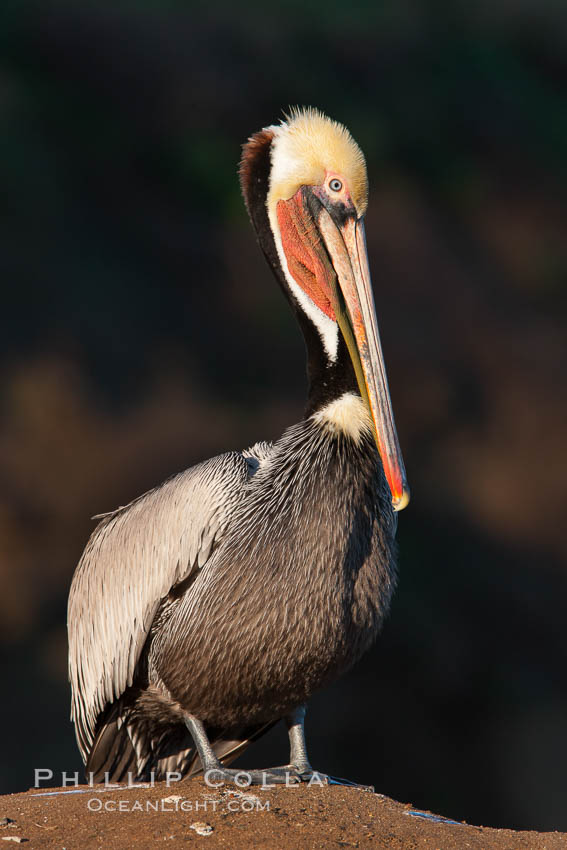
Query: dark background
x=141, y=332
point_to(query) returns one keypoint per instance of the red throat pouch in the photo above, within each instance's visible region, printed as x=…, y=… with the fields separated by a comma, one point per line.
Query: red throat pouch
x=305, y=254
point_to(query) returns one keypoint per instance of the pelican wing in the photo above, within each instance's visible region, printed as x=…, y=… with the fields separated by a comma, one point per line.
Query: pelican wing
x=134, y=557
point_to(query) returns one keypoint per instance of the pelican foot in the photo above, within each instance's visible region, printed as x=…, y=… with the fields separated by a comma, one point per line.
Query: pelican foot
x=315, y=777
x=303, y=773
x=288, y=775
x=285, y=775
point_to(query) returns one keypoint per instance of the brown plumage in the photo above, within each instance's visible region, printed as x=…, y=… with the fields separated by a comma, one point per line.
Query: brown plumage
x=219, y=602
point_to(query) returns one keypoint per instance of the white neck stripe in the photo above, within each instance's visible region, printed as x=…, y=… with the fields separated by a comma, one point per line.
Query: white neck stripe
x=327, y=328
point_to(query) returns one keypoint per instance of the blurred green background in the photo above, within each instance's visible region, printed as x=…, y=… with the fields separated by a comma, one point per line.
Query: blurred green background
x=142, y=332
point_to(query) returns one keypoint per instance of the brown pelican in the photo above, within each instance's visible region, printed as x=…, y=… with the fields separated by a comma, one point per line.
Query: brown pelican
x=215, y=605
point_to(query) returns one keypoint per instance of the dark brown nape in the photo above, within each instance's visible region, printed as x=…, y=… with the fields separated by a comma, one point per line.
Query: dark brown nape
x=326, y=381
x=254, y=172
x=255, y=156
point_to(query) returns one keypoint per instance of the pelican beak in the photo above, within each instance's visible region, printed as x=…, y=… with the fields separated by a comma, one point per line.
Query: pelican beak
x=353, y=303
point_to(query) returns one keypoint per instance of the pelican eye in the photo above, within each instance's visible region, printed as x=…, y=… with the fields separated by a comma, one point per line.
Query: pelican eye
x=335, y=185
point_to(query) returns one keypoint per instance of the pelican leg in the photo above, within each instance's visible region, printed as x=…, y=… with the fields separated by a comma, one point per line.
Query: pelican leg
x=298, y=770
x=299, y=761
x=299, y=765
x=215, y=773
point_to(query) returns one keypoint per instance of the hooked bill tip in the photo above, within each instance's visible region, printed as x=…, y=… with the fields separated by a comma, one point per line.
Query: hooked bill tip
x=401, y=501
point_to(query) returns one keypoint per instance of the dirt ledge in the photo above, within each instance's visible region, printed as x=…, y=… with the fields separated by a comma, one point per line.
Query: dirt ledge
x=189, y=812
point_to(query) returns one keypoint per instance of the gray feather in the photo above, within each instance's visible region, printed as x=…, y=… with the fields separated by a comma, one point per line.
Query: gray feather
x=232, y=592
x=133, y=559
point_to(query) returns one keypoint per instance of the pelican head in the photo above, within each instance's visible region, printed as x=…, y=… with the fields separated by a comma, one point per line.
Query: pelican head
x=306, y=188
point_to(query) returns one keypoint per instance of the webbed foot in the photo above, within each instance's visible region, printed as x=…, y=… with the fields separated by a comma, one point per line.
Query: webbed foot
x=216, y=776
